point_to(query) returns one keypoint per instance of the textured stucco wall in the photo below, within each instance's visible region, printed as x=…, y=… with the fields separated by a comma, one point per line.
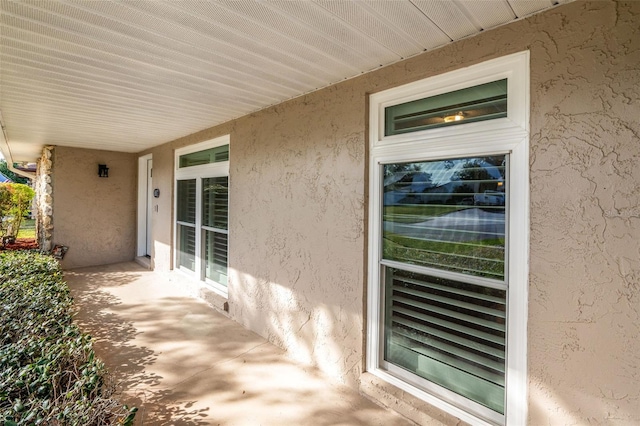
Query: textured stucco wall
x=93, y=216
x=297, y=203
x=298, y=213
x=584, y=346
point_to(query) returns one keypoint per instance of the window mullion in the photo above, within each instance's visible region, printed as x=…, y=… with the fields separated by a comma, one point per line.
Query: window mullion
x=212, y=229
x=479, y=281
x=199, y=231
x=191, y=225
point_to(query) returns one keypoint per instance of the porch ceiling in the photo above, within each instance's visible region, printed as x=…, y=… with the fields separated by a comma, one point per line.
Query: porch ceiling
x=129, y=75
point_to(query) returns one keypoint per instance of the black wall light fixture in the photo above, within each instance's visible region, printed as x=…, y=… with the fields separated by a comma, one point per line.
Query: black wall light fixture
x=103, y=170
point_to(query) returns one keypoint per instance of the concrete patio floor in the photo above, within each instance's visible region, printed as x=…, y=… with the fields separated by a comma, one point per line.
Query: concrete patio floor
x=182, y=363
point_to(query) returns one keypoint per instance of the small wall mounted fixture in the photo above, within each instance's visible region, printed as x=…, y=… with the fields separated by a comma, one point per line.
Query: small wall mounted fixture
x=103, y=170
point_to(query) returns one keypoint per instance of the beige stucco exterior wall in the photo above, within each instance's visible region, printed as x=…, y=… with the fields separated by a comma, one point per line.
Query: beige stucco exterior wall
x=93, y=216
x=298, y=208
x=584, y=350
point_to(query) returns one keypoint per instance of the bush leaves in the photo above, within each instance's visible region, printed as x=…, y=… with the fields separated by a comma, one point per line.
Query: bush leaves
x=49, y=374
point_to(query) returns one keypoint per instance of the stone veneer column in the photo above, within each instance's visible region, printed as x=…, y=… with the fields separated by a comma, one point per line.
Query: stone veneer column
x=44, y=200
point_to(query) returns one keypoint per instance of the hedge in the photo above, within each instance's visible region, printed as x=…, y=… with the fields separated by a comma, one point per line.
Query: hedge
x=49, y=373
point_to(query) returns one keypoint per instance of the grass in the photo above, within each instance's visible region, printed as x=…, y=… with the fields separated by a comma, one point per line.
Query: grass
x=481, y=258
x=27, y=229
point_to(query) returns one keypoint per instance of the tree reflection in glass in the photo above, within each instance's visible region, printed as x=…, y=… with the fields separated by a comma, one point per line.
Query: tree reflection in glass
x=447, y=214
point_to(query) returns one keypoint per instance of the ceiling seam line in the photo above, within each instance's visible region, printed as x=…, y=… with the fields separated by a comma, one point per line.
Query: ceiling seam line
x=83, y=74
x=83, y=78
x=285, y=53
x=278, y=10
x=365, y=35
x=262, y=57
x=318, y=51
x=131, y=60
x=75, y=33
x=383, y=19
x=124, y=101
x=152, y=33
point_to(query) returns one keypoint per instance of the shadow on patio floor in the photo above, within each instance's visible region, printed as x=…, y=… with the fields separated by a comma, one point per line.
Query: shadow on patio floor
x=182, y=363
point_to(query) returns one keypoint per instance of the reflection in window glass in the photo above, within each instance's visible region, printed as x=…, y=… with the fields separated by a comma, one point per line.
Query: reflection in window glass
x=207, y=156
x=216, y=257
x=187, y=247
x=215, y=206
x=186, y=213
x=447, y=214
x=478, y=103
x=215, y=202
x=186, y=201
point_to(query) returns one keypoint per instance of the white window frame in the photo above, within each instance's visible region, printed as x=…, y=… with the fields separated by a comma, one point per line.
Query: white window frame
x=503, y=135
x=199, y=172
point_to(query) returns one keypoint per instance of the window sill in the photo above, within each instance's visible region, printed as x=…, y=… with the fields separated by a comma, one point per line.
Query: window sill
x=200, y=290
x=413, y=408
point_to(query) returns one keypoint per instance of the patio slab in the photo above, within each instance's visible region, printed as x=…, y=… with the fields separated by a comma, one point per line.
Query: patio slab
x=182, y=363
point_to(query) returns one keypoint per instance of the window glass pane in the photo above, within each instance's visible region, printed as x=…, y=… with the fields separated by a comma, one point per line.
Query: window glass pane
x=447, y=214
x=478, y=103
x=448, y=332
x=186, y=201
x=215, y=202
x=187, y=247
x=212, y=155
x=216, y=257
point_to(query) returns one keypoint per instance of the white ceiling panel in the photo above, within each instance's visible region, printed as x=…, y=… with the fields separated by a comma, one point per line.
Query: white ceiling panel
x=487, y=14
x=402, y=17
x=129, y=75
x=527, y=7
x=318, y=19
x=450, y=17
x=359, y=16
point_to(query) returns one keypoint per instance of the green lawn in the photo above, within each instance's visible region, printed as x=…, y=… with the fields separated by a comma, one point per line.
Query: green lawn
x=27, y=229
x=481, y=258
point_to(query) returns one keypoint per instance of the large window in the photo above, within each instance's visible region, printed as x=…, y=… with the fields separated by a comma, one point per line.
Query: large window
x=201, y=211
x=448, y=240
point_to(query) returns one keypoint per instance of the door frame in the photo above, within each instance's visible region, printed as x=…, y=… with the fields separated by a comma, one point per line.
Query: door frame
x=144, y=186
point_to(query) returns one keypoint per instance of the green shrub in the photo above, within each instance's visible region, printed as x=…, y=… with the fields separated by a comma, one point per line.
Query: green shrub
x=49, y=374
x=15, y=201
